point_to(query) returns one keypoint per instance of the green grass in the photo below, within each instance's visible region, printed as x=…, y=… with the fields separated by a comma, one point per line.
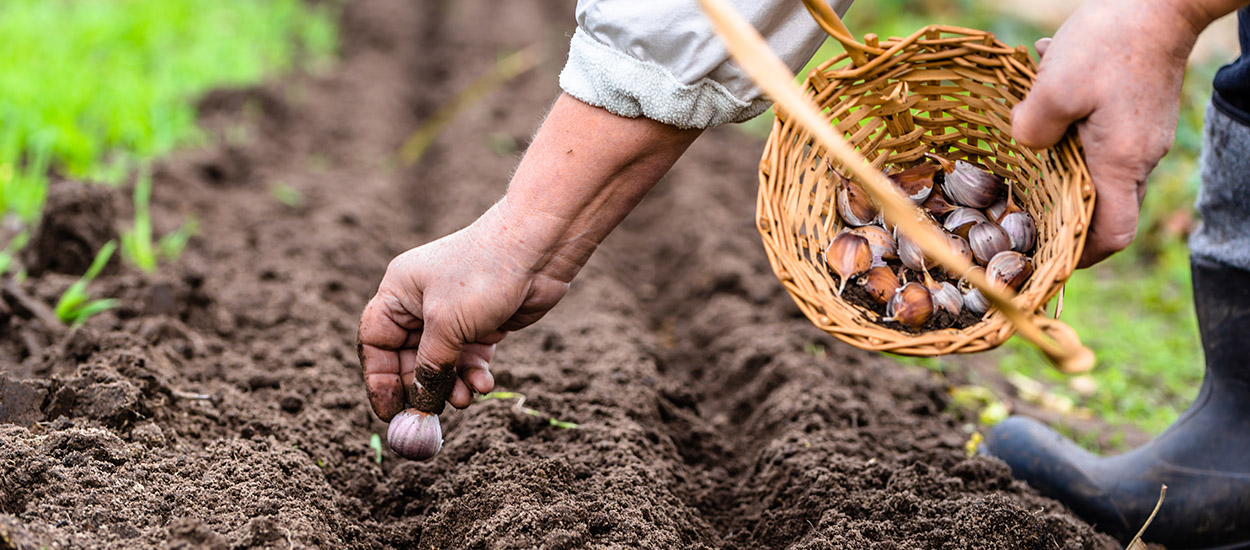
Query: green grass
x=1137, y=317
x=92, y=89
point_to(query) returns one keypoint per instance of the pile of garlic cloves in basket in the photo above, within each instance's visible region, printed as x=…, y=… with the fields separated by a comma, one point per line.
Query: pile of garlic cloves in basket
x=882, y=270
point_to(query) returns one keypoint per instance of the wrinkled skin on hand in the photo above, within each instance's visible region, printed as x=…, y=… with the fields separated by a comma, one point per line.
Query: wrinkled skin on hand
x=448, y=303
x=1114, y=70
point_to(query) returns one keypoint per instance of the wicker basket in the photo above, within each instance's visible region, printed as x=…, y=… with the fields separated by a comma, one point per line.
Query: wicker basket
x=944, y=90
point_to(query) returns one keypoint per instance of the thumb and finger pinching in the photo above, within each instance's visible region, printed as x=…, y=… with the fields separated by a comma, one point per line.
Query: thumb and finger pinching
x=378, y=341
x=435, y=376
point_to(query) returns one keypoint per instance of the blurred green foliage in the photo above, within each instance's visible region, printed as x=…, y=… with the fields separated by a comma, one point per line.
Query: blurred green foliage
x=92, y=88
x=1134, y=310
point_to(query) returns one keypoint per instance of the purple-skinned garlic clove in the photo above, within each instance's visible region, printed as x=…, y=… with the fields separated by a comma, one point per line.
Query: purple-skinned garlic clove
x=415, y=435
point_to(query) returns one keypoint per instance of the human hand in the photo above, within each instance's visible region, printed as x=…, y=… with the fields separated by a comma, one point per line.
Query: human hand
x=1115, y=70
x=445, y=305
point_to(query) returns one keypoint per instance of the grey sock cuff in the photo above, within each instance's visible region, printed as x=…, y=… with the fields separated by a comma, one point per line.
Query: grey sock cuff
x=1224, y=200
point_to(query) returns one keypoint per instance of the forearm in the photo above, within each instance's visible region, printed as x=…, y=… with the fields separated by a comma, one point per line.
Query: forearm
x=584, y=172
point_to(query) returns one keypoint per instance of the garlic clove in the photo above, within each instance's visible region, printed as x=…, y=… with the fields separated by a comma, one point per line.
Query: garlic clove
x=964, y=283
x=848, y=255
x=415, y=435
x=976, y=302
x=916, y=182
x=972, y=186
x=959, y=247
x=880, y=283
x=995, y=211
x=882, y=243
x=1020, y=229
x=947, y=298
x=1002, y=207
x=1010, y=269
x=911, y=306
x=910, y=253
x=986, y=240
x=854, y=205
x=937, y=204
x=947, y=166
x=960, y=217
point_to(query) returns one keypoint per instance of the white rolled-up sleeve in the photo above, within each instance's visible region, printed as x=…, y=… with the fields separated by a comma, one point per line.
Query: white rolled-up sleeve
x=662, y=60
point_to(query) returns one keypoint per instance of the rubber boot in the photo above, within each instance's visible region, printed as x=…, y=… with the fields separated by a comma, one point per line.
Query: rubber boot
x=1204, y=458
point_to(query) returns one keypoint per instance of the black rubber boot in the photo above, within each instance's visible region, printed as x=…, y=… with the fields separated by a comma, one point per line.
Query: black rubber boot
x=1204, y=458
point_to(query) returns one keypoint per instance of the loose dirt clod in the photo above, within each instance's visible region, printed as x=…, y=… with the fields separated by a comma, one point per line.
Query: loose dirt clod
x=703, y=419
x=77, y=220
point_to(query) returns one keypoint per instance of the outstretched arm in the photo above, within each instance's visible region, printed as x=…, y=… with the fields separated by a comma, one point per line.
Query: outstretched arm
x=1115, y=70
x=445, y=305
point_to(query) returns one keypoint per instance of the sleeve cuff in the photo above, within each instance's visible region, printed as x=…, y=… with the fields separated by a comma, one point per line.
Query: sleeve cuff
x=604, y=77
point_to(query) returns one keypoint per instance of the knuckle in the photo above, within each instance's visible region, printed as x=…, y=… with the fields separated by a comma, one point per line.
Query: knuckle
x=395, y=266
x=437, y=310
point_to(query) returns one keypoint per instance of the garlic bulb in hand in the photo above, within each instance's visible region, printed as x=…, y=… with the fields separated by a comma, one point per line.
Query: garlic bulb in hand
x=415, y=435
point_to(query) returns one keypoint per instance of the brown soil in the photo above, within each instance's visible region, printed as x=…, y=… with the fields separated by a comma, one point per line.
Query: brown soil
x=221, y=406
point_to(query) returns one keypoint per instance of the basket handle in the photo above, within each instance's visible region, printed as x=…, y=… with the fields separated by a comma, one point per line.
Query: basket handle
x=1056, y=340
x=833, y=25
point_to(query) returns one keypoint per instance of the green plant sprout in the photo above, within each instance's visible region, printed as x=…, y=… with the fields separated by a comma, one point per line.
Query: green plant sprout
x=76, y=305
x=287, y=195
x=520, y=406
x=10, y=250
x=172, y=245
x=137, y=246
x=375, y=443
